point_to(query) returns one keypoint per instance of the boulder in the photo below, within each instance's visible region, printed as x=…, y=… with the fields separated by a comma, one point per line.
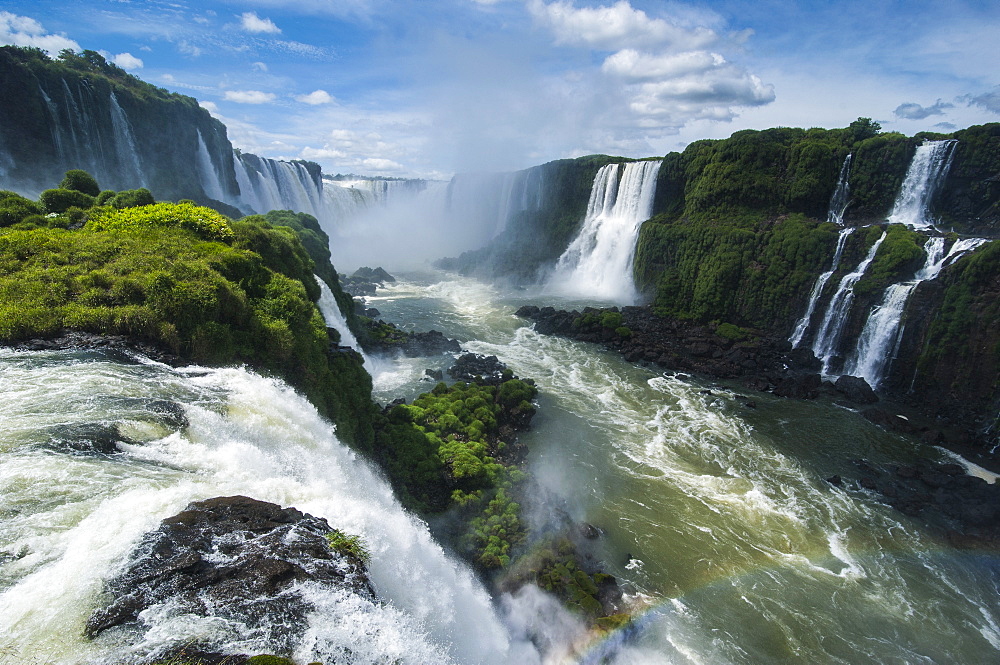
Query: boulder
x=855, y=389
x=235, y=558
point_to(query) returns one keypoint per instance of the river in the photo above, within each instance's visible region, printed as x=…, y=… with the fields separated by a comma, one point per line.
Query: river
x=716, y=517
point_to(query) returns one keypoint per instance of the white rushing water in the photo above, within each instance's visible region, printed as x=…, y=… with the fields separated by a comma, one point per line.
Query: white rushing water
x=924, y=176
x=841, y=195
x=598, y=263
x=211, y=183
x=71, y=519
x=879, y=340
x=828, y=335
x=803, y=323
x=128, y=157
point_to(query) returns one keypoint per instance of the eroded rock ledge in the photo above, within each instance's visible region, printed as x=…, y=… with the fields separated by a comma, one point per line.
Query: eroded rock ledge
x=234, y=558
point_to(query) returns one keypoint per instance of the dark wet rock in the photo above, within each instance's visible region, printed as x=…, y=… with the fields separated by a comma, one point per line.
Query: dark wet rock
x=643, y=337
x=964, y=507
x=475, y=368
x=798, y=386
x=88, y=437
x=855, y=389
x=589, y=531
x=434, y=374
x=835, y=480
x=384, y=337
x=365, y=281
x=116, y=347
x=235, y=558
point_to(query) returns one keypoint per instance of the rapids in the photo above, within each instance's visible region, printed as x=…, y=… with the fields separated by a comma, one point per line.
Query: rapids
x=716, y=517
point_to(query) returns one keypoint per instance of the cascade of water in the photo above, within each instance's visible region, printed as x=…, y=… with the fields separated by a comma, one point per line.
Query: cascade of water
x=128, y=157
x=55, y=126
x=803, y=324
x=883, y=331
x=828, y=335
x=925, y=174
x=598, y=263
x=209, y=175
x=246, y=435
x=841, y=195
x=334, y=318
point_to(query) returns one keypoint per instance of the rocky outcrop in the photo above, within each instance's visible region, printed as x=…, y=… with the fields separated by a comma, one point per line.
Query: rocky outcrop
x=236, y=558
x=486, y=370
x=365, y=281
x=964, y=507
x=642, y=336
x=383, y=337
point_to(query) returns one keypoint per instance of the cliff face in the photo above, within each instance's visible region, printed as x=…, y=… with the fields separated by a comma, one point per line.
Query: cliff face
x=80, y=111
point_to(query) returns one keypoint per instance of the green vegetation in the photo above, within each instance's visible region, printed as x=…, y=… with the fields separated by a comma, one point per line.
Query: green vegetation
x=447, y=451
x=186, y=279
x=554, y=566
x=750, y=274
x=205, y=222
x=80, y=181
x=349, y=545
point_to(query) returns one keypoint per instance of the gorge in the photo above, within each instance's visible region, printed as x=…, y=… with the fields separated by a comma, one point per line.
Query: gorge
x=739, y=525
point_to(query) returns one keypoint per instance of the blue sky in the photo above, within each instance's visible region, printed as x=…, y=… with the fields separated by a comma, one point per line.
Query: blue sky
x=432, y=87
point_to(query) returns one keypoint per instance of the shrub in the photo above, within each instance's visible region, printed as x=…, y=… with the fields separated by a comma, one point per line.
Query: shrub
x=131, y=198
x=80, y=181
x=15, y=208
x=61, y=200
x=203, y=221
x=349, y=545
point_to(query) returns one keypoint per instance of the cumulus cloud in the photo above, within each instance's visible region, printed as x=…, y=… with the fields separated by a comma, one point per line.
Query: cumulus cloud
x=249, y=96
x=988, y=100
x=259, y=66
x=315, y=98
x=127, y=61
x=667, y=71
x=616, y=27
x=253, y=23
x=24, y=31
x=632, y=65
x=913, y=111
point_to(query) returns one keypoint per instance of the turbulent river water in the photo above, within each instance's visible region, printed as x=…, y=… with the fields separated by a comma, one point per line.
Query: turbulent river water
x=716, y=517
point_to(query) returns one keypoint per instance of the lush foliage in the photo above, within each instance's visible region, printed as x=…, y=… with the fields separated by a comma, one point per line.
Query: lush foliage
x=186, y=279
x=80, y=181
x=206, y=222
x=554, y=566
x=57, y=201
x=754, y=275
x=447, y=450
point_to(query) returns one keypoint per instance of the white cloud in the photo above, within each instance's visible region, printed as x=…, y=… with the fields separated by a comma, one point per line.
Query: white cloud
x=249, y=96
x=127, y=61
x=24, y=31
x=617, y=26
x=633, y=65
x=322, y=153
x=988, y=100
x=259, y=66
x=187, y=48
x=913, y=111
x=253, y=23
x=315, y=98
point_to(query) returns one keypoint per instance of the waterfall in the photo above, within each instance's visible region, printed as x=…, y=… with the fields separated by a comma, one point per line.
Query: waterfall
x=598, y=263
x=927, y=171
x=879, y=340
x=817, y=290
x=271, y=184
x=128, y=157
x=828, y=336
x=334, y=318
x=79, y=516
x=841, y=195
x=209, y=176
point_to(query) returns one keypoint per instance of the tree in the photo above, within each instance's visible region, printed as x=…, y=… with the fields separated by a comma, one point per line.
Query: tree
x=80, y=181
x=864, y=128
